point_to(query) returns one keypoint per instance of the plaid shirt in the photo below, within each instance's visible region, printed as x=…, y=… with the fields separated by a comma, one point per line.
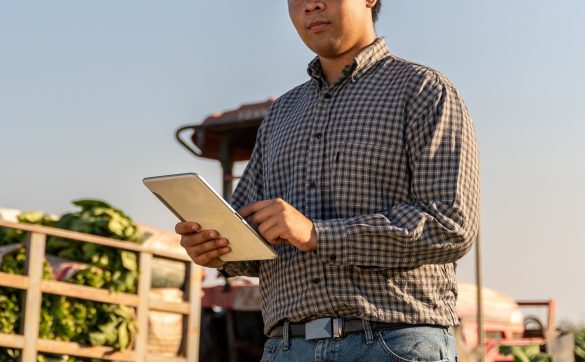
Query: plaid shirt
x=385, y=163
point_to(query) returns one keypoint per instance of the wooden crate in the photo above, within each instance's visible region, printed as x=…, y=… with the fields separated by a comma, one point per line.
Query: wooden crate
x=34, y=287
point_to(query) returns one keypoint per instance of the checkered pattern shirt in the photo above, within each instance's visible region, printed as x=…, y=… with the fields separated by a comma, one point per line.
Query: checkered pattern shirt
x=385, y=163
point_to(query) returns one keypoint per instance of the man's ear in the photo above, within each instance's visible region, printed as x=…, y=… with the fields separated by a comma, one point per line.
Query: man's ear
x=370, y=3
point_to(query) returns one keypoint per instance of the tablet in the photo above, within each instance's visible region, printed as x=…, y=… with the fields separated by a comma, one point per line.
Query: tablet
x=190, y=198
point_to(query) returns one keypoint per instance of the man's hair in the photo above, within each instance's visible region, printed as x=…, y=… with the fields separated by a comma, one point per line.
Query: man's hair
x=376, y=10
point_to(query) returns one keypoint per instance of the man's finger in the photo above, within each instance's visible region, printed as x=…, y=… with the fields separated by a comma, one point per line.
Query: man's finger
x=186, y=227
x=189, y=240
x=271, y=210
x=268, y=224
x=273, y=235
x=252, y=208
x=209, y=246
x=205, y=259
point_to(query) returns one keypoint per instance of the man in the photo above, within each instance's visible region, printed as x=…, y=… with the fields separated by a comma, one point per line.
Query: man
x=366, y=180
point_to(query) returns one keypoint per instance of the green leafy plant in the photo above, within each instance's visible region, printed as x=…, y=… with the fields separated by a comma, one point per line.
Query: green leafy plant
x=87, y=322
x=70, y=319
x=15, y=263
x=10, y=355
x=10, y=302
x=118, y=330
x=120, y=267
x=525, y=353
x=15, y=236
x=99, y=218
x=580, y=345
x=13, y=355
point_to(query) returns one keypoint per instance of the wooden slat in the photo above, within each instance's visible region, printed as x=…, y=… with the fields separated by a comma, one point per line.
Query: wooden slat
x=74, y=235
x=94, y=294
x=75, y=349
x=11, y=341
x=143, y=302
x=94, y=239
x=171, y=307
x=13, y=281
x=168, y=254
x=162, y=358
x=88, y=293
x=105, y=296
x=193, y=324
x=35, y=256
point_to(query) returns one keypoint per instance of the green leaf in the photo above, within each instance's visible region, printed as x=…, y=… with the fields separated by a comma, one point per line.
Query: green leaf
x=531, y=351
x=35, y=217
x=110, y=333
x=130, y=232
x=90, y=203
x=116, y=226
x=66, y=221
x=124, y=312
x=103, y=261
x=131, y=280
x=54, y=243
x=505, y=350
x=129, y=260
x=89, y=249
x=97, y=338
x=123, y=337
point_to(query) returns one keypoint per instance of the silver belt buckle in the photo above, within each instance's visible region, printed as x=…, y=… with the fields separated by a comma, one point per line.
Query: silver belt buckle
x=324, y=328
x=337, y=327
x=318, y=328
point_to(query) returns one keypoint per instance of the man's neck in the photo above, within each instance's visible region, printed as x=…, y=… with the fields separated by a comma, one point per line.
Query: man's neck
x=332, y=67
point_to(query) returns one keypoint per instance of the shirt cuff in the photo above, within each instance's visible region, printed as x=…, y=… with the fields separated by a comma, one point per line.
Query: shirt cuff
x=332, y=244
x=230, y=268
x=223, y=272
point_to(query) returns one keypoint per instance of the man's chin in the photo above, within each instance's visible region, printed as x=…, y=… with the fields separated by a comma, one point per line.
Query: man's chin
x=326, y=50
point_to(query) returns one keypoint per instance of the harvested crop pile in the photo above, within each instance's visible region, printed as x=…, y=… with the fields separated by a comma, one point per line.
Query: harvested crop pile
x=120, y=270
x=70, y=319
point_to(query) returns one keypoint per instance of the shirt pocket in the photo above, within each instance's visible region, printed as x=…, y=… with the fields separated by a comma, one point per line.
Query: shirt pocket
x=364, y=177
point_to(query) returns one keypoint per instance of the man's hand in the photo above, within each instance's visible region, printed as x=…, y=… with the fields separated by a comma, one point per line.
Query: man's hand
x=280, y=223
x=204, y=247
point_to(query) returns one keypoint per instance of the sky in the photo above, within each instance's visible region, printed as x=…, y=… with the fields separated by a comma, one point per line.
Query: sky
x=91, y=94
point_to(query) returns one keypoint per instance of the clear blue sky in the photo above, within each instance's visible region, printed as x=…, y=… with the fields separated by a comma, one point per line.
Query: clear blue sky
x=92, y=92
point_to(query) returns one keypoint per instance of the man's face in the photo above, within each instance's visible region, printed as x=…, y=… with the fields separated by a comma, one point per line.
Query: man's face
x=332, y=27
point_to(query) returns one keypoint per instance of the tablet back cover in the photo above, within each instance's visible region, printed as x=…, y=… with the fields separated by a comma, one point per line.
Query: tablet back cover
x=190, y=198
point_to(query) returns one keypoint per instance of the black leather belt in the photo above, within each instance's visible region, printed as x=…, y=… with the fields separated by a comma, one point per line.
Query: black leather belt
x=331, y=328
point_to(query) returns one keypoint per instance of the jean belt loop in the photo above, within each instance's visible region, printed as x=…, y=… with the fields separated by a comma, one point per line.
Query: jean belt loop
x=285, y=336
x=368, y=331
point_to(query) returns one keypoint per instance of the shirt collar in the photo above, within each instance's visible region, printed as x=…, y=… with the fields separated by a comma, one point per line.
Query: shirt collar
x=361, y=63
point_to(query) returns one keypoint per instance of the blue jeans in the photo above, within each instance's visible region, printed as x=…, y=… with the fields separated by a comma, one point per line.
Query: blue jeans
x=418, y=343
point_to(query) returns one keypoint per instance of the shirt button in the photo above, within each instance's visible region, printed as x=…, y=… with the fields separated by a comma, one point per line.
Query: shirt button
x=333, y=257
x=313, y=184
x=327, y=96
x=316, y=280
x=318, y=135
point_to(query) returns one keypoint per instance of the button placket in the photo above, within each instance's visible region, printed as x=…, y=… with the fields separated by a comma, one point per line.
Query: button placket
x=315, y=159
